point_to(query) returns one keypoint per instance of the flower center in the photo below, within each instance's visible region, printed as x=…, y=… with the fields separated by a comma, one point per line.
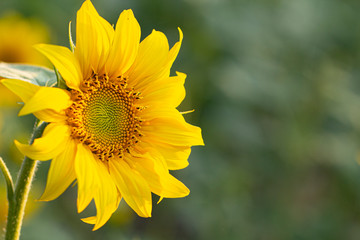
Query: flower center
x=107, y=116
x=103, y=116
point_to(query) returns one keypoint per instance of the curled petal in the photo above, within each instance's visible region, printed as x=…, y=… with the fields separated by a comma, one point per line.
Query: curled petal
x=22, y=89
x=47, y=98
x=26, y=92
x=49, y=145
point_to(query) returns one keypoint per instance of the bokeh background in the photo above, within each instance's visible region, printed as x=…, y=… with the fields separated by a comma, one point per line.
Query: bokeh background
x=276, y=88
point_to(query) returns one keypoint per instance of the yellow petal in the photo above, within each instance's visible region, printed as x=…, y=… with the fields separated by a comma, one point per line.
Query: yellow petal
x=93, y=38
x=61, y=173
x=125, y=45
x=174, y=51
x=174, y=164
x=175, y=157
x=47, y=98
x=49, y=115
x=94, y=181
x=159, y=179
x=107, y=198
x=89, y=220
x=170, y=92
x=155, y=111
x=166, y=125
x=152, y=54
x=163, y=74
x=49, y=145
x=87, y=177
x=132, y=186
x=64, y=61
x=93, y=219
x=173, y=132
x=24, y=90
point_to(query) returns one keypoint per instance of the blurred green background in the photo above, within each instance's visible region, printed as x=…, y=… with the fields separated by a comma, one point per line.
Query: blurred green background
x=276, y=88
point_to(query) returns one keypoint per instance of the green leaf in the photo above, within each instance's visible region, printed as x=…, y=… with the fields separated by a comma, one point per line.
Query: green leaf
x=37, y=75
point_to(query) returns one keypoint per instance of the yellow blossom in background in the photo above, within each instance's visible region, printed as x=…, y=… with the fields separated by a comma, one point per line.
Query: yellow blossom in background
x=17, y=37
x=116, y=129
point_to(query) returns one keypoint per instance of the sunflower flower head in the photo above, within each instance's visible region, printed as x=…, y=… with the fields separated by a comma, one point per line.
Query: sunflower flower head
x=115, y=129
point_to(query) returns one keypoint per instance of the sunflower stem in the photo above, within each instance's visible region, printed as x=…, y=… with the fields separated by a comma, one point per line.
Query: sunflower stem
x=22, y=187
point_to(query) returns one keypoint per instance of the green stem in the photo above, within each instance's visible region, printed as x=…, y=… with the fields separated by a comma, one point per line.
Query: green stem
x=9, y=182
x=21, y=192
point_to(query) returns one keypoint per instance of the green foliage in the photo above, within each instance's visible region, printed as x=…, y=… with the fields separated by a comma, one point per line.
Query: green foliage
x=37, y=75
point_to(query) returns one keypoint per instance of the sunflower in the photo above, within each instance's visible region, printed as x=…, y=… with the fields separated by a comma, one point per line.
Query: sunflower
x=115, y=129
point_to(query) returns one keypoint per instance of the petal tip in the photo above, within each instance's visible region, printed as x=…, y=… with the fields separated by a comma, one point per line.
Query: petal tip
x=43, y=199
x=181, y=35
x=39, y=46
x=160, y=199
x=23, y=112
x=97, y=226
x=129, y=11
x=181, y=74
x=21, y=147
